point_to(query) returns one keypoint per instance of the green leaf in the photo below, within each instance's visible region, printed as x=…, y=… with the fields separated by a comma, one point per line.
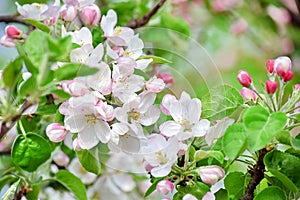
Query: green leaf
x=43, y=27
x=285, y=167
x=175, y=23
x=156, y=59
x=221, y=102
x=29, y=87
x=284, y=137
x=235, y=184
x=72, y=70
x=7, y=179
x=29, y=65
x=295, y=143
x=97, y=34
x=89, y=160
x=30, y=151
x=234, y=141
x=72, y=183
x=33, y=194
x=59, y=50
x=36, y=48
x=261, y=127
x=5, y=163
x=12, y=72
x=46, y=109
x=201, y=154
x=197, y=189
x=271, y=193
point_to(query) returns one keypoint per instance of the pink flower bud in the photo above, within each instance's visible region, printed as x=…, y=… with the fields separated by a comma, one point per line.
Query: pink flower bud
x=91, y=15
x=61, y=159
x=244, y=78
x=297, y=87
x=7, y=41
x=76, y=88
x=282, y=65
x=165, y=187
x=68, y=13
x=288, y=76
x=210, y=174
x=166, y=103
x=248, y=95
x=271, y=87
x=167, y=78
x=13, y=32
x=270, y=66
x=56, y=132
x=155, y=84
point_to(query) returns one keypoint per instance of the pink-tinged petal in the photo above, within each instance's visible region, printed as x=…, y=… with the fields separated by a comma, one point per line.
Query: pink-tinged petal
x=103, y=131
x=170, y=128
x=111, y=53
x=201, y=128
x=185, y=98
x=209, y=196
x=75, y=123
x=87, y=138
x=166, y=103
x=143, y=63
x=108, y=23
x=194, y=110
x=150, y=117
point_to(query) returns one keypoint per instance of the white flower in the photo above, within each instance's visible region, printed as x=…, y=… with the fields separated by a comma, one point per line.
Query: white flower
x=139, y=109
x=186, y=124
x=33, y=11
x=81, y=37
x=76, y=168
x=87, y=55
x=160, y=154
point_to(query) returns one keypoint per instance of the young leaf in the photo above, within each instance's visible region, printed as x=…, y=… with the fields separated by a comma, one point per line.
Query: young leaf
x=234, y=141
x=12, y=72
x=287, y=165
x=30, y=151
x=261, y=127
x=43, y=27
x=221, y=102
x=201, y=154
x=156, y=59
x=272, y=192
x=72, y=183
x=72, y=70
x=235, y=184
x=89, y=160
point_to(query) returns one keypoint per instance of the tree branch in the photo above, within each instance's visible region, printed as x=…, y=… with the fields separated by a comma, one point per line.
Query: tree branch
x=13, y=18
x=257, y=174
x=137, y=23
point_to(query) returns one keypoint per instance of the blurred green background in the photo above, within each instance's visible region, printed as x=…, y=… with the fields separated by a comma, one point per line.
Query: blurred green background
x=208, y=41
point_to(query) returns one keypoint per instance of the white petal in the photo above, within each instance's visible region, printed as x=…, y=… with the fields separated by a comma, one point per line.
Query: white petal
x=120, y=128
x=150, y=117
x=161, y=171
x=201, y=128
x=103, y=131
x=121, y=114
x=184, y=98
x=124, y=181
x=75, y=123
x=111, y=53
x=147, y=100
x=194, y=110
x=87, y=138
x=96, y=55
x=143, y=63
x=177, y=111
x=170, y=128
x=108, y=22
x=129, y=143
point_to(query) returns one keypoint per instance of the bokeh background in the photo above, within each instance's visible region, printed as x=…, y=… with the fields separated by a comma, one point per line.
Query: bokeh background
x=208, y=41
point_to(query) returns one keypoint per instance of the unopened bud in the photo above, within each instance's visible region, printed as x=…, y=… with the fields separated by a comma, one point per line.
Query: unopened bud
x=167, y=78
x=244, y=78
x=68, y=13
x=91, y=15
x=270, y=66
x=165, y=187
x=56, y=132
x=13, y=32
x=248, y=95
x=155, y=85
x=288, y=76
x=210, y=174
x=271, y=87
x=282, y=65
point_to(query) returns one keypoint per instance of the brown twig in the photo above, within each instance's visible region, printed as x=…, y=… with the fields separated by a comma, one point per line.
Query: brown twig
x=137, y=23
x=13, y=18
x=257, y=174
x=7, y=125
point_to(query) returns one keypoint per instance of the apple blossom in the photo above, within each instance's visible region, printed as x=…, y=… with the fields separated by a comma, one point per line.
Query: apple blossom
x=282, y=65
x=33, y=11
x=68, y=13
x=61, y=159
x=56, y=132
x=90, y=15
x=186, y=124
x=75, y=87
x=161, y=154
x=81, y=37
x=210, y=174
x=166, y=103
x=270, y=66
x=13, y=31
x=165, y=187
x=271, y=86
x=155, y=84
x=139, y=109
